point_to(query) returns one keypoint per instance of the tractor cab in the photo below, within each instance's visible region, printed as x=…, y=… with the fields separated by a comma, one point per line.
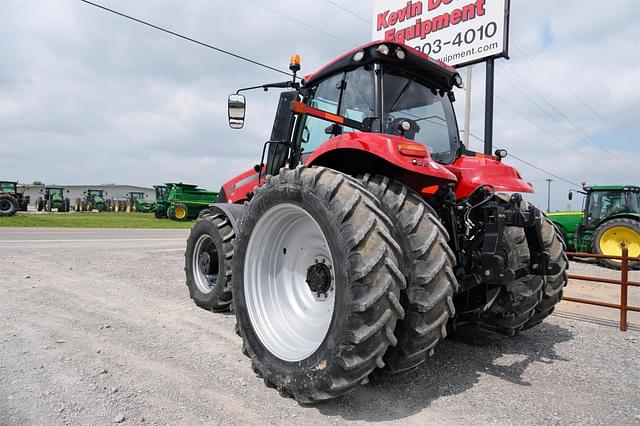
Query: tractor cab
x=136, y=195
x=603, y=202
x=382, y=106
x=161, y=192
x=8, y=187
x=95, y=193
x=53, y=192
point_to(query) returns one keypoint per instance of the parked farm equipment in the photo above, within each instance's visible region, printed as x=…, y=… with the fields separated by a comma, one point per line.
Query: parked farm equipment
x=136, y=203
x=609, y=220
x=12, y=201
x=369, y=231
x=120, y=204
x=53, y=199
x=186, y=201
x=162, y=200
x=94, y=199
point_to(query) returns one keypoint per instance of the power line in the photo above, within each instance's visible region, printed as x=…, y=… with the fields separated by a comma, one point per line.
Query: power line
x=543, y=129
x=578, y=132
x=533, y=165
x=304, y=24
x=349, y=11
x=565, y=86
x=226, y=52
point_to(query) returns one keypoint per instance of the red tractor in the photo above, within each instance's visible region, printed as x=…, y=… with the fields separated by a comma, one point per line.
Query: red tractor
x=369, y=232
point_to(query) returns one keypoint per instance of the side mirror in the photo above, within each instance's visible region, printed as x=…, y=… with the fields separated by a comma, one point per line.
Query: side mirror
x=236, y=109
x=570, y=195
x=106, y=193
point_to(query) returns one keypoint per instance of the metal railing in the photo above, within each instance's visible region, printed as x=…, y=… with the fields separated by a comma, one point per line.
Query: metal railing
x=623, y=282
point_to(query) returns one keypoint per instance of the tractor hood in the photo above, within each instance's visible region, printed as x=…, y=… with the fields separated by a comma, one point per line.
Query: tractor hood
x=440, y=75
x=477, y=170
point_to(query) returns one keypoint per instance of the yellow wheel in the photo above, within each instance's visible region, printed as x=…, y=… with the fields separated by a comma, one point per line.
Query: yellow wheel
x=181, y=212
x=611, y=236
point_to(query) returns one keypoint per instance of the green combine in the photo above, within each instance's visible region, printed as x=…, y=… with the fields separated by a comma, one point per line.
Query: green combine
x=12, y=201
x=609, y=220
x=94, y=199
x=53, y=199
x=186, y=201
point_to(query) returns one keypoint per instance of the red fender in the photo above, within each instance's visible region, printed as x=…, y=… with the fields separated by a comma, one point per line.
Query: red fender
x=411, y=157
x=479, y=170
x=237, y=188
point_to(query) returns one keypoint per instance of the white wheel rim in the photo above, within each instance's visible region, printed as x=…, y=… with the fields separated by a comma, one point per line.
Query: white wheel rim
x=205, y=264
x=289, y=318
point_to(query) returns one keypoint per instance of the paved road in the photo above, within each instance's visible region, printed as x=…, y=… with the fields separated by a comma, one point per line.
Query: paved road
x=114, y=239
x=102, y=330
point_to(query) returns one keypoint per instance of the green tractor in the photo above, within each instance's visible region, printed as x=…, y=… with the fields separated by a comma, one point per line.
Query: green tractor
x=162, y=202
x=12, y=201
x=136, y=203
x=609, y=220
x=185, y=201
x=53, y=199
x=93, y=199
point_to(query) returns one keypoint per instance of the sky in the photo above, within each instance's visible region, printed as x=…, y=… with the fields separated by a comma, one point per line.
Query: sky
x=87, y=97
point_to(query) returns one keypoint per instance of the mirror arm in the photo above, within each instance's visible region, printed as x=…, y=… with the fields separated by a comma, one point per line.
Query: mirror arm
x=266, y=87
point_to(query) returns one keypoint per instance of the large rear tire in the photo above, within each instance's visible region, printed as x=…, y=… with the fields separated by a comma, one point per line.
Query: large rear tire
x=208, y=261
x=8, y=205
x=316, y=283
x=611, y=235
x=428, y=265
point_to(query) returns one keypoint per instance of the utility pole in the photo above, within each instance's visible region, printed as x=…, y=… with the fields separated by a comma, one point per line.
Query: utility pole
x=467, y=109
x=549, y=194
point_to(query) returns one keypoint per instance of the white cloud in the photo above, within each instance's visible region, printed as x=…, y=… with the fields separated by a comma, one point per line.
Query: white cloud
x=88, y=97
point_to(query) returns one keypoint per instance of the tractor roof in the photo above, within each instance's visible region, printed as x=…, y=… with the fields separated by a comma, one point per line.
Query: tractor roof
x=54, y=187
x=183, y=185
x=9, y=181
x=612, y=188
x=411, y=60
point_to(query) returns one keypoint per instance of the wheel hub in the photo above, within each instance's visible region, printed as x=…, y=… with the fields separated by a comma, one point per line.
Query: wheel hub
x=204, y=264
x=204, y=261
x=319, y=277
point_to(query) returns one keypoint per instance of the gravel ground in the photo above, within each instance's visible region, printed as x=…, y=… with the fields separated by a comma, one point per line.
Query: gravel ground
x=95, y=333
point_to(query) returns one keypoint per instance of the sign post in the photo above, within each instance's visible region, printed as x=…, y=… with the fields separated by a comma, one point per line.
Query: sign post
x=488, y=107
x=458, y=32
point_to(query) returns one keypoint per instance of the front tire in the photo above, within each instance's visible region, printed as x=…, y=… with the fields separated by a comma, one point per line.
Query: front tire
x=316, y=283
x=208, y=261
x=8, y=205
x=428, y=266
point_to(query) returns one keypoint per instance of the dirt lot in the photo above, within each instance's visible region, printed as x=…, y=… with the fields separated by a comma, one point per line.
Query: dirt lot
x=96, y=327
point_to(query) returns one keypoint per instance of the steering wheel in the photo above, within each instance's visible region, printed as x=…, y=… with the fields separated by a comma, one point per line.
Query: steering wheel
x=397, y=126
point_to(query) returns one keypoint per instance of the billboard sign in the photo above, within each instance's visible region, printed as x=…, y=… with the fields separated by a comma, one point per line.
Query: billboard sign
x=458, y=32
